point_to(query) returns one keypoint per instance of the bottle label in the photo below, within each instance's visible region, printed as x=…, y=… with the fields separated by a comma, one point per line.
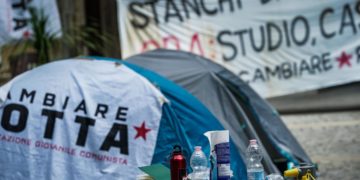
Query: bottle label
x=222, y=153
x=224, y=170
x=223, y=160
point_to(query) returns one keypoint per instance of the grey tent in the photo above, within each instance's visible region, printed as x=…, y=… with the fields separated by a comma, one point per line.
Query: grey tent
x=239, y=108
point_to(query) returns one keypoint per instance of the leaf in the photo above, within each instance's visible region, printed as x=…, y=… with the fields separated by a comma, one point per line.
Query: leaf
x=45, y=42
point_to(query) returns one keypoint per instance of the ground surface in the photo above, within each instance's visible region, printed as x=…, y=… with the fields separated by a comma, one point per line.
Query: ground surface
x=332, y=140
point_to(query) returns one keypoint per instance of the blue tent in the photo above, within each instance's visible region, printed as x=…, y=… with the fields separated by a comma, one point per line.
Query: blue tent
x=233, y=102
x=91, y=119
x=184, y=122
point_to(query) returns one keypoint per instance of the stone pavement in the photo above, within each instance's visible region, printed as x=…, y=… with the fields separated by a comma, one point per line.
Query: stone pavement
x=332, y=140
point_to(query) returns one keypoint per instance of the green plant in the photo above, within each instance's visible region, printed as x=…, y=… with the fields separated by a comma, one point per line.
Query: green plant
x=45, y=43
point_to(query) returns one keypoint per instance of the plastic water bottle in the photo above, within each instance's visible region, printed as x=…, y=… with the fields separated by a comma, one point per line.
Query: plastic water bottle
x=199, y=165
x=274, y=177
x=255, y=169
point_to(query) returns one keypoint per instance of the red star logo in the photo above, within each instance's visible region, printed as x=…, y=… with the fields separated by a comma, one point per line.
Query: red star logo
x=344, y=59
x=26, y=34
x=141, y=131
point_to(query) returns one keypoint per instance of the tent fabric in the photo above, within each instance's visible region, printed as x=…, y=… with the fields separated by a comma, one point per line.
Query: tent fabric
x=189, y=118
x=239, y=108
x=78, y=119
x=183, y=121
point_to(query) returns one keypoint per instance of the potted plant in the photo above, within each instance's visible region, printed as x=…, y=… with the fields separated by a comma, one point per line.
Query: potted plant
x=41, y=46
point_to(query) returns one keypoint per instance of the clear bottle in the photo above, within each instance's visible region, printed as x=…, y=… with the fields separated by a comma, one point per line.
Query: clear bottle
x=199, y=165
x=255, y=169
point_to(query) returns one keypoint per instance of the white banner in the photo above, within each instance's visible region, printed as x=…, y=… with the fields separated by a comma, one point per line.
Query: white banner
x=15, y=15
x=278, y=46
x=78, y=119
